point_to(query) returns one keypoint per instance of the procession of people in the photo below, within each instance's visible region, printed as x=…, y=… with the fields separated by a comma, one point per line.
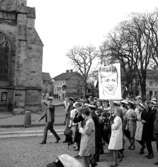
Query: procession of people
x=93, y=125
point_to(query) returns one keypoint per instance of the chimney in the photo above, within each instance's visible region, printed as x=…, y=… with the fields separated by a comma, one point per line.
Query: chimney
x=67, y=71
x=71, y=70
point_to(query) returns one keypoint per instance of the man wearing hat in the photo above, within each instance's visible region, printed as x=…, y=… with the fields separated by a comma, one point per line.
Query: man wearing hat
x=49, y=115
x=148, y=119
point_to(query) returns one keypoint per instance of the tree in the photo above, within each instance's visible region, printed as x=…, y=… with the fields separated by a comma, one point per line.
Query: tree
x=131, y=45
x=82, y=59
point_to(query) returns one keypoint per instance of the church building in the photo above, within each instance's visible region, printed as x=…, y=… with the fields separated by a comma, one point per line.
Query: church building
x=21, y=52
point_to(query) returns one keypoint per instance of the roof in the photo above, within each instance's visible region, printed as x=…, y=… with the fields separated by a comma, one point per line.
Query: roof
x=46, y=76
x=66, y=76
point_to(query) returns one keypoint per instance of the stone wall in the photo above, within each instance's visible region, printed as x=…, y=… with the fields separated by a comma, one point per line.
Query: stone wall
x=25, y=74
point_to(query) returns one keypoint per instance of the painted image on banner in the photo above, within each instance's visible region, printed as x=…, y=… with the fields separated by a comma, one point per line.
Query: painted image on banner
x=109, y=82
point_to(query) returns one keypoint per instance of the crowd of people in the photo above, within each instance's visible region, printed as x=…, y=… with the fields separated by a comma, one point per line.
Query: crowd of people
x=91, y=124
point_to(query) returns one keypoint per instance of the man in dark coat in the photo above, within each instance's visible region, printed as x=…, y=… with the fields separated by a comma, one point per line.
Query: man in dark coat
x=49, y=115
x=148, y=119
x=68, y=139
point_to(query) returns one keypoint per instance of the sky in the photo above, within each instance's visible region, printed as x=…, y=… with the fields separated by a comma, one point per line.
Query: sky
x=63, y=24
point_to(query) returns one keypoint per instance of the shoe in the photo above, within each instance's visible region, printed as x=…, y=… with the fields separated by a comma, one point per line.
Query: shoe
x=156, y=163
x=149, y=156
x=57, y=141
x=141, y=151
x=43, y=142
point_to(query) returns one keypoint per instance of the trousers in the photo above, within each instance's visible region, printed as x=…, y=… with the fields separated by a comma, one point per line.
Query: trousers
x=49, y=126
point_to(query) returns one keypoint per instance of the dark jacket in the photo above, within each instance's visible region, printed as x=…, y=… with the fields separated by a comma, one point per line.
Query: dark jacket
x=148, y=117
x=49, y=113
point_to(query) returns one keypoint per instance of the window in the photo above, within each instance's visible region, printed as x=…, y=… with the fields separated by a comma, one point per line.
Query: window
x=4, y=96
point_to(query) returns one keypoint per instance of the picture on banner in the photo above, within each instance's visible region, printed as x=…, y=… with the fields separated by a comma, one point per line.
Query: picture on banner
x=110, y=82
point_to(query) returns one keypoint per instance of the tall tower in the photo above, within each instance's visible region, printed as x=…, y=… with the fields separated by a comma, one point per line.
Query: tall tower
x=20, y=58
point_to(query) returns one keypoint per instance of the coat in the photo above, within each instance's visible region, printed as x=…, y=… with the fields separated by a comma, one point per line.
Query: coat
x=49, y=113
x=116, y=138
x=148, y=127
x=87, y=144
x=131, y=122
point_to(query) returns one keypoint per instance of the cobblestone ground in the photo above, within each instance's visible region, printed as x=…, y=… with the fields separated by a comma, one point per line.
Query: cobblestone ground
x=27, y=152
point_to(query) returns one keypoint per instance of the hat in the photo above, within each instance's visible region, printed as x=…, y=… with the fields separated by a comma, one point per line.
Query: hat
x=138, y=97
x=77, y=104
x=130, y=102
x=50, y=98
x=124, y=102
x=70, y=98
x=141, y=105
x=153, y=102
x=116, y=103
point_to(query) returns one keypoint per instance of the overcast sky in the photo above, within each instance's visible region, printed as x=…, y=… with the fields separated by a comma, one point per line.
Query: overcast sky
x=63, y=24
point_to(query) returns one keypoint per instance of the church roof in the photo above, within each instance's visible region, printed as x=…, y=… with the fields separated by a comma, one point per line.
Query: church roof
x=46, y=76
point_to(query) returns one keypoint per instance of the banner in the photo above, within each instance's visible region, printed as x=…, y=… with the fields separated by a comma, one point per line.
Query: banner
x=110, y=82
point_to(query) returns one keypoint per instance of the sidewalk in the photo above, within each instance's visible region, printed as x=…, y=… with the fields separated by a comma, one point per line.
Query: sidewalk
x=8, y=120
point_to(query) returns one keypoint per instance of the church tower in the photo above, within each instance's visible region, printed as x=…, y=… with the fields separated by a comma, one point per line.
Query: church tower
x=20, y=58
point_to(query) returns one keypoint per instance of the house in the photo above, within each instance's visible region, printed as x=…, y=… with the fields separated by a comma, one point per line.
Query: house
x=68, y=84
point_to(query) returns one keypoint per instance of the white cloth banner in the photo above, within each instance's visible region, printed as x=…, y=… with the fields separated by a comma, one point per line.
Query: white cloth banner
x=110, y=82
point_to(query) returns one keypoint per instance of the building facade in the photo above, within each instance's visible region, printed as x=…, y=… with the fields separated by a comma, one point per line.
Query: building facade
x=20, y=58
x=47, y=84
x=68, y=84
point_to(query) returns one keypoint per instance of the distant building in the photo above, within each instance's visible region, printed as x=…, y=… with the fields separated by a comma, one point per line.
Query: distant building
x=47, y=84
x=68, y=84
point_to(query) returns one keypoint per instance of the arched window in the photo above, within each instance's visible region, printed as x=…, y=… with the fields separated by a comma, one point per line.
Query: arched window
x=4, y=57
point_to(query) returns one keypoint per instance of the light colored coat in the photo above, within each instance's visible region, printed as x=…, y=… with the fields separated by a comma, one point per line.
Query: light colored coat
x=87, y=144
x=116, y=139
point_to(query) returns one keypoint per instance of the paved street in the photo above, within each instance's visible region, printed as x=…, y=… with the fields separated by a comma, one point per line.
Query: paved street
x=27, y=152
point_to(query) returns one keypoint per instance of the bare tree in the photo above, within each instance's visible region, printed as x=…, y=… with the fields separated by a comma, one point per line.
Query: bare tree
x=82, y=59
x=132, y=47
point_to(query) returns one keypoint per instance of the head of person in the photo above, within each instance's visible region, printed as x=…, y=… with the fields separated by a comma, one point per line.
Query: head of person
x=141, y=107
x=85, y=111
x=131, y=104
x=124, y=103
x=71, y=100
x=118, y=112
x=50, y=99
x=138, y=99
x=99, y=103
x=110, y=80
x=77, y=105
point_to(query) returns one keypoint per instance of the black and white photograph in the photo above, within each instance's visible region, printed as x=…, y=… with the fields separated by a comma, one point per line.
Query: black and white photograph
x=78, y=83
